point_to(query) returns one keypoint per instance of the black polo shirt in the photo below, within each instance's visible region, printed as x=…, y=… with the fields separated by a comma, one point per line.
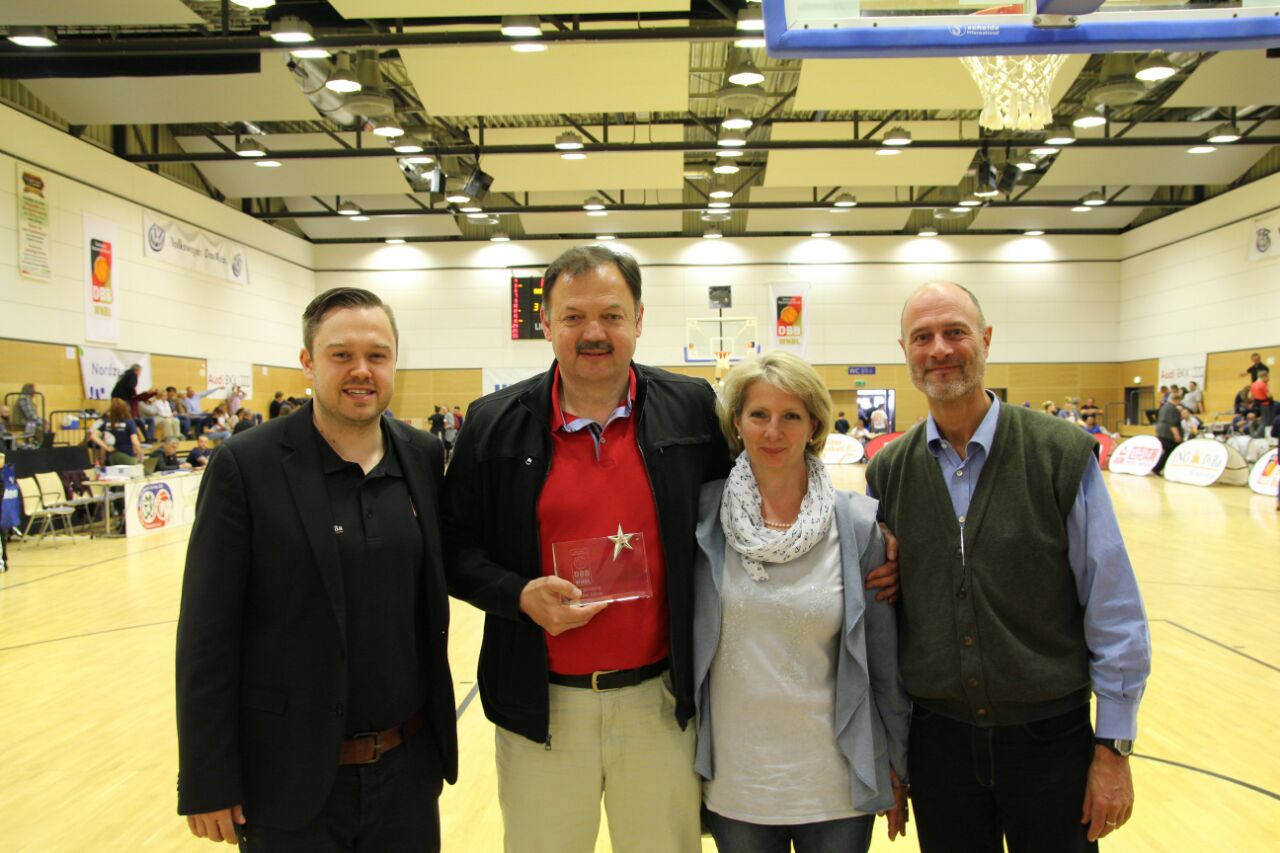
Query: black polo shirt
x=380, y=545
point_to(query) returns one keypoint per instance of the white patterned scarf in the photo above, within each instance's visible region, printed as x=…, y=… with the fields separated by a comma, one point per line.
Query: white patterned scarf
x=744, y=528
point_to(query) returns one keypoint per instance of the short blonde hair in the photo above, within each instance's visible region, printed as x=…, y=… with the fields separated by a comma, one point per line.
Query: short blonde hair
x=781, y=370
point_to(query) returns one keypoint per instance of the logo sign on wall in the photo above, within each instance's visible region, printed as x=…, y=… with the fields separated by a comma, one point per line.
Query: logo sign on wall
x=791, y=308
x=33, y=225
x=101, y=306
x=181, y=245
x=1181, y=369
x=1265, y=477
x=1199, y=462
x=101, y=368
x=220, y=373
x=154, y=505
x=841, y=450
x=1264, y=238
x=1136, y=456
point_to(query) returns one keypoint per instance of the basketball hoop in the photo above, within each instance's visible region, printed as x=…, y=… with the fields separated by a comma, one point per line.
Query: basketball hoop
x=1015, y=89
x=722, y=363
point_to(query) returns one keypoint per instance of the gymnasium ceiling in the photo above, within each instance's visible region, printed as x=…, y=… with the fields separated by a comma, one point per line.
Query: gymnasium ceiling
x=171, y=85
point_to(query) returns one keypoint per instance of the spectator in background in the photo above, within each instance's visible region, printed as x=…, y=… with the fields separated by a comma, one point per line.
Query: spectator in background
x=273, y=410
x=117, y=435
x=244, y=420
x=879, y=420
x=1069, y=411
x=1090, y=425
x=234, y=400
x=167, y=421
x=216, y=424
x=199, y=455
x=436, y=422
x=1260, y=395
x=1194, y=399
x=1255, y=367
x=457, y=417
x=842, y=424
x=1090, y=407
x=1253, y=426
x=166, y=456
x=126, y=388
x=191, y=405
x=1190, y=423
x=286, y=408
x=1168, y=430
x=27, y=414
x=861, y=433
x=1049, y=408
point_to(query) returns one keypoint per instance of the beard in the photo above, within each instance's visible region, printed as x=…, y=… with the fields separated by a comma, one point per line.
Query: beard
x=969, y=378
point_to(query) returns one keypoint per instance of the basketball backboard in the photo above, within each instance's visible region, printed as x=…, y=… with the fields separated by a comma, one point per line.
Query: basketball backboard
x=862, y=28
x=720, y=340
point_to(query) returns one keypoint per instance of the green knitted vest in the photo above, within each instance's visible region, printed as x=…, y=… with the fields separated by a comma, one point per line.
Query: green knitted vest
x=996, y=636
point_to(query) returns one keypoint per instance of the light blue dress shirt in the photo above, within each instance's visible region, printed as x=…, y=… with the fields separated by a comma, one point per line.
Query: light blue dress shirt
x=1115, y=622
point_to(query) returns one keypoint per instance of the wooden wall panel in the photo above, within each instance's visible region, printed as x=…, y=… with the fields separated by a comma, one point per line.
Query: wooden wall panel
x=418, y=391
x=177, y=371
x=1222, y=379
x=47, y=365
x=267, y=380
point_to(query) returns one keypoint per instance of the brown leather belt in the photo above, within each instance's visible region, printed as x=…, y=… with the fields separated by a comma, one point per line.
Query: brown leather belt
x=611, y=679
x=368, y=747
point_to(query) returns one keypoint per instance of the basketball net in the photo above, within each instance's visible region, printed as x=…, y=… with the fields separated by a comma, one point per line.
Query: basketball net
x=722, y=364
x=1015, y=89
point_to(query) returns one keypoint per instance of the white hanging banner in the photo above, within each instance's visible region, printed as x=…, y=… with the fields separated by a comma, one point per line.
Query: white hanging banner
x=101, y=287
x=1181, y=369
x=223, y=374
x=101, y=368
x=182, y=245
x=1264, y=238
x=789, y=311
x=1265, y=477
x=33, y=224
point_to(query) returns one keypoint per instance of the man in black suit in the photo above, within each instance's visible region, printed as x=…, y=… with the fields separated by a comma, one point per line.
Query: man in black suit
x=315, y=705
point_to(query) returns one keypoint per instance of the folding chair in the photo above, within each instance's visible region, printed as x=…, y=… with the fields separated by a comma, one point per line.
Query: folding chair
x=53, y=493
x=34, y=509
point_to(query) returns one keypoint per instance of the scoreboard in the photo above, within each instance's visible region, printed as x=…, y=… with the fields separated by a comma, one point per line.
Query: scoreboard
x=526, y=307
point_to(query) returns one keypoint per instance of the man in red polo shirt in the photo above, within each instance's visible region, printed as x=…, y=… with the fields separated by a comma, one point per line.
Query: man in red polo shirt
x=591, y=701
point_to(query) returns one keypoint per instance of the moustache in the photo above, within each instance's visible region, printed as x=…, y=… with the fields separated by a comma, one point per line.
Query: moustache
x=595, y=347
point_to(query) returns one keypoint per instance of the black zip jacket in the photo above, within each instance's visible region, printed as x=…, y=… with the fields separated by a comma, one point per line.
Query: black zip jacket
x=491, y=532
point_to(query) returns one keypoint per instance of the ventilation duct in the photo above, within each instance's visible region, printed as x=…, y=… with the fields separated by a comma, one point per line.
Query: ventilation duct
x=311, y=75
x=372, y=100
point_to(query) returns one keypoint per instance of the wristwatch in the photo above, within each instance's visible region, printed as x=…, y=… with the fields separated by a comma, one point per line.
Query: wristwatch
x=1119, y=746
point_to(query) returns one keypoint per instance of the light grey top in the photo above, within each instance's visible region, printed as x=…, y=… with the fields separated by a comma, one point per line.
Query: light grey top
x=773, y=683
x=871, y=711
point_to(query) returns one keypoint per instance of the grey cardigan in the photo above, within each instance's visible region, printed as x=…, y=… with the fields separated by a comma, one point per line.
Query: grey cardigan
x=872, y=710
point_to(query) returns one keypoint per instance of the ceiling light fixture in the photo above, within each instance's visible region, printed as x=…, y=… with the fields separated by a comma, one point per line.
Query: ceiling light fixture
x=726, y=169
x=290, y=29
x=961, y=210
x=477, y=215
x=1224, y=134
x=820, y=234
x=33, y=36
x=310, y=53
x=971, y=200
x=359, y=217
x=1034, y=232
x=393, y=241
x=1080, y=208
x=568, y=141
x=749, y=43
x=420, y=159
x=729, y=152
x=888, y=152
x=387, y=127
x=1089, y=118
x=528, y=47
x=250, y=147
x=1059, y=135
x=521, y=26
x=1155, y=68
x=897, y=136
x=1094, y=199
x=720, y=191
x=736, y=120
x=1025, y=163
x=719, y=204
x=1201, y=149
x=715, y=216
x=342, y=79
x=928, y=231
x=712, y=234
x=845, y=200
x=1043, y=152
x=471, y=208
x=603, y=237
x=499, y=237
x=750, y=20
x=593, y=203
x=254, y=4
x=742, y=70
x=732, y=139
x=406, y=145
x=268, y=164
x=348, y=208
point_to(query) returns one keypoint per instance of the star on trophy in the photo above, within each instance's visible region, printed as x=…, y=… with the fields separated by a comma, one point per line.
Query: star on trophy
x=606, y=568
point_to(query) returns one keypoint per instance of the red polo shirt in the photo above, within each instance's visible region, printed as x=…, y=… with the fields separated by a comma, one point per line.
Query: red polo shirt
x=591, y=489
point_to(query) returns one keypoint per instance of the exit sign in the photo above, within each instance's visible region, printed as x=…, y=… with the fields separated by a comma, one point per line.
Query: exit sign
x=859, y=383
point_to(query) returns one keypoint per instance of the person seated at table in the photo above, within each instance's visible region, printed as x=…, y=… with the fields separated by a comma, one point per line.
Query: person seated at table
x=1090, y=425
x=198, y=456
x=1253, y=425
x=1190, y=423
x=167, y=456
x=117, y=435
x=215, y=424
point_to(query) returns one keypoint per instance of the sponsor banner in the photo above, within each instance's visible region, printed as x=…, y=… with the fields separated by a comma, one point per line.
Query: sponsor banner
x=841, y=450
x=1137, y=456
x=497, y=378
x=877, y=444
x=33, y=224
x=1264, y=238
x=158, y=504
x=220, y=373
x=182, y=245
x=1106, y=446
x=789, y=315
x=100, y=368
x=1182, y=369
x=101, y=287
x=1198, y=462
x=1265, y=476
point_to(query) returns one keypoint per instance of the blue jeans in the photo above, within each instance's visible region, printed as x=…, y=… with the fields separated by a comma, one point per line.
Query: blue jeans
x=848, y=835
x=976, y=788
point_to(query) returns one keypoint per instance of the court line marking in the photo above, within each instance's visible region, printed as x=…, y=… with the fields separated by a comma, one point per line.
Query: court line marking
x=126, y=555
x=1257, y=789
x=1222, y=645
x=471, y=694
x=89, y=634
x=1210, y=586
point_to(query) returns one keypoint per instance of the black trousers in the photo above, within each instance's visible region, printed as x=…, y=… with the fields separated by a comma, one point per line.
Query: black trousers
x=389, y=805
x=1169, y=446
x=973, y=787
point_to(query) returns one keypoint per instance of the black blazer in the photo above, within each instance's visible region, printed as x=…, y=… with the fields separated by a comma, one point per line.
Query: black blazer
x=261, y=673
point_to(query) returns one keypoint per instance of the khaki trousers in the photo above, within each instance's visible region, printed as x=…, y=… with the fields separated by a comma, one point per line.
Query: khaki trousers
x=620, y=745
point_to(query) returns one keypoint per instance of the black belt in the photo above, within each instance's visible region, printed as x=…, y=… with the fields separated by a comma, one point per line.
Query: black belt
x=611, y=679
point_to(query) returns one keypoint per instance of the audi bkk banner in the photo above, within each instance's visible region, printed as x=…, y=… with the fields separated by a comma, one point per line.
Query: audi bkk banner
x=181, y=245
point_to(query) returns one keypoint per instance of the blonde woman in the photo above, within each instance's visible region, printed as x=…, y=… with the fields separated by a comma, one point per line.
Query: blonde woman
x=802, y=725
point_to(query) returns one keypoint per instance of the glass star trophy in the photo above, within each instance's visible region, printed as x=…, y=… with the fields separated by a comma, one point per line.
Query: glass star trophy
x=606, y=568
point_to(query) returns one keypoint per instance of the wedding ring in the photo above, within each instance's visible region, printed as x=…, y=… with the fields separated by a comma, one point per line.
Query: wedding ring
x=1111, y=823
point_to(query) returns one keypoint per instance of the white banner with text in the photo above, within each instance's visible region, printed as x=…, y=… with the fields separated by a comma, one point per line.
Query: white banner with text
x=1182, y=369
x=224, y=374
x=101, y=288
x=789, y=312
x=101, y=368
x=182, y=245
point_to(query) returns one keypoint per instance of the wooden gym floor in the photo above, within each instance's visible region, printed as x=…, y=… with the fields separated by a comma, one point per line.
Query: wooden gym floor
x=88, y=757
